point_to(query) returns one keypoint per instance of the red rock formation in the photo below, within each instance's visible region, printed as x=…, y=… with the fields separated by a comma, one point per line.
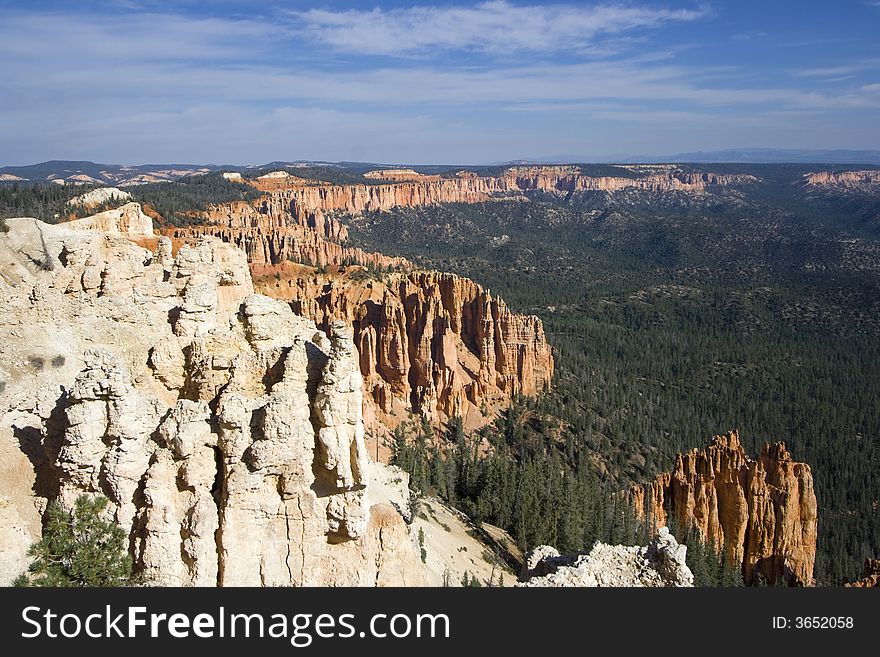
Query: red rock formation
x=276, y=210
x=306, y=199
x=270, y=234
x=431, y=343
x=287, y=243
x=293, y=220
x=761, y=512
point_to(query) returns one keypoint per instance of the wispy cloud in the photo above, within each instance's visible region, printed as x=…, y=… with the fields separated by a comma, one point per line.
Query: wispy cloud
x=76, y=40
x=136, y=84
x=172, y=59
x=748, y=36
x=844, y=70
x=494, y=27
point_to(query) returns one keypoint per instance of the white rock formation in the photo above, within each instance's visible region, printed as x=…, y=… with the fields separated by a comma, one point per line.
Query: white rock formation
x=225, y=430
x=128, y=219
x=98, y=196
x=660, y=564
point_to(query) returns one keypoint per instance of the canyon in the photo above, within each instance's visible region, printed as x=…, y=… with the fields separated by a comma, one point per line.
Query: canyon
x=430, y=344
x=225, y=430
x=761, y=513
x=169, y=388
x=270, y=229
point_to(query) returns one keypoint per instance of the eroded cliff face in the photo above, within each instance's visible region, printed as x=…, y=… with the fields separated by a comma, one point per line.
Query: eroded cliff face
x=270, y=233
x=305, y=198
x=865, y=181
x=761, y=512
x=225, y=430
x=569, y=179
x=128, y=219
x=431, y=343
x=294, y=219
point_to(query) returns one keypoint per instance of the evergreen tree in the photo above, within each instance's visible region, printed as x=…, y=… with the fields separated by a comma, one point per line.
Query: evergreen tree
x=78, y=548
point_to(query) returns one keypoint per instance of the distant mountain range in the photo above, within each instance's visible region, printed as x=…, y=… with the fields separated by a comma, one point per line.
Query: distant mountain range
x=773, y=155
x=86, y=172
x=728, y=156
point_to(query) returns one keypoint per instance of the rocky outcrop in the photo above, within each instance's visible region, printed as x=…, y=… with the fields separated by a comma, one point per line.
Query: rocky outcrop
x=98, y=197
x=661, y=564
x=128, y=219
x=761, y=513
x=434, y=344
x=225, y=430
x=870, y=576
x=861, y=181
x=277, y=246
x=271, y=235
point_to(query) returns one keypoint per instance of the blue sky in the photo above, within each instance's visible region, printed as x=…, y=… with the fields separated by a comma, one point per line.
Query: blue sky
x=143, y=81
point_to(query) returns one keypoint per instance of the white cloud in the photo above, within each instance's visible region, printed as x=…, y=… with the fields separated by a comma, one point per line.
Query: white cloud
x=114, y=63
x=77, y=40
x=495, y=27
x=135, y=87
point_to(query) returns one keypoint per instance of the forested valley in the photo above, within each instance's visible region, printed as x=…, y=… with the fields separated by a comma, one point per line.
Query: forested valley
x=672, y=320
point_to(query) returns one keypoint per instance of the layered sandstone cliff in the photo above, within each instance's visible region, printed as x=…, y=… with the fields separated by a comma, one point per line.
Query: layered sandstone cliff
x=761, y=513
x=225, y=430
x=569, y=179
x=294, y=219
x=408, y=188
x=309, y=201
x=271, y=234
x=398, y=175
x=845, y=180
x=431, y=343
